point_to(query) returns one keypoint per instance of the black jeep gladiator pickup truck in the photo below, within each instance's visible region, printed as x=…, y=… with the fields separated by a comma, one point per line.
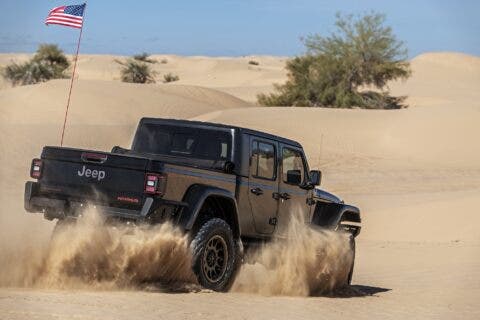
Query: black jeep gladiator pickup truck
x=229, y=187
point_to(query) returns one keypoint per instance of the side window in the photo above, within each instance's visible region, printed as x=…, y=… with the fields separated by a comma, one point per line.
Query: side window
x=263, y=160
x=293, y=168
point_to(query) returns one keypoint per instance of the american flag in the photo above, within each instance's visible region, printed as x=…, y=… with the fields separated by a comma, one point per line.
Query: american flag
x=70, y=16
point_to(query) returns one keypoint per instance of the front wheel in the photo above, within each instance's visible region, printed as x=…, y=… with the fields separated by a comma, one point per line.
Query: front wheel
x=214, y=255
x=352, y=251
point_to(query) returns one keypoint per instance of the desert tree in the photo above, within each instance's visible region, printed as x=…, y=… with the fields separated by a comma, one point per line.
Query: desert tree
x=351, y=67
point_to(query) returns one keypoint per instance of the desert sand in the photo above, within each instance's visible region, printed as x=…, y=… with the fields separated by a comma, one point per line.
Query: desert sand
x=415, y=174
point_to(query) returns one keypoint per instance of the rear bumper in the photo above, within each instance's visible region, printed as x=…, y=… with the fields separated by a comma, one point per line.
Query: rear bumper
x=59, y=208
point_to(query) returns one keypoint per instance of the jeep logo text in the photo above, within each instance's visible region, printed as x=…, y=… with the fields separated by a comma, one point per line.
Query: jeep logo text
x=88, y=173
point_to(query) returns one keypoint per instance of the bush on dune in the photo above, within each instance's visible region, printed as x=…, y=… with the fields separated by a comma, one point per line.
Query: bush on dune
x=137, y=69
x=170, y=77
x=144, y=57
x=49, y=62
x=363, y=53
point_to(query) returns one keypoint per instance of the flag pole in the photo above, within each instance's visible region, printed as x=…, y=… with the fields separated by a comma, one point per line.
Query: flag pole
x=73, y=75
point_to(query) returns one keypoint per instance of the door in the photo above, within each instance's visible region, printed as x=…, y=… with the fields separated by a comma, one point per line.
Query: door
x=292, y=198
x=263, y=183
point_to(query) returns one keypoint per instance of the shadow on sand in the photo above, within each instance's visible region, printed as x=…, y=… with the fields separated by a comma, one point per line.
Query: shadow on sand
x=354, y=291
x=170, y=287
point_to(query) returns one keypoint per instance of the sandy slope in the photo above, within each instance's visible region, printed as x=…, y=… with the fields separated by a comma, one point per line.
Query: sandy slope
x=415, y=173
x=442, y=78
x=22, y=103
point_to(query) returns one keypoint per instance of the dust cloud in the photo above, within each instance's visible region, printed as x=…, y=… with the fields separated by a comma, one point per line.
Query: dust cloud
x=308, y=261
x=92, y=254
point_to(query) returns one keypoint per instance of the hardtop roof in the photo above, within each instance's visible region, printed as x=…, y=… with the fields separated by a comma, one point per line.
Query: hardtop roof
x=221, y=126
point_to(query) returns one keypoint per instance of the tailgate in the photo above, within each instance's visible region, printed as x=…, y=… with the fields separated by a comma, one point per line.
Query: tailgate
x=90, y=175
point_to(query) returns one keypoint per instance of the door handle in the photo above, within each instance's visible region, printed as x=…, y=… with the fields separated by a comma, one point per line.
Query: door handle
x=256, y=191
x=278, y=196
x=285, y=196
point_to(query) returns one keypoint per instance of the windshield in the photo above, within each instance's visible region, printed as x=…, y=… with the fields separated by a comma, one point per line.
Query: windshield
x=183, y=141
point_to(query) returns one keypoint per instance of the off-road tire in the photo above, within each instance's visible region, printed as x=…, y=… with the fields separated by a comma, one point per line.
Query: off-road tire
x=61, y=224
x=210, y=247
x=352, y=248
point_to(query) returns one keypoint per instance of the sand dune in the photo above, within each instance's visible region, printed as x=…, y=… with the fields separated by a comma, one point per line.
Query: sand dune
x=232, y=75
x=442, y=78
x=438, y=78
x=99, y=102
x=415, y=173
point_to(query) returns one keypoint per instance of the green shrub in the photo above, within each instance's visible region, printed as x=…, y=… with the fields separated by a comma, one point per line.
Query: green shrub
x=49, y=62
x=135, y=71
x=170, y=77
x=143, y=57
x=362, y=53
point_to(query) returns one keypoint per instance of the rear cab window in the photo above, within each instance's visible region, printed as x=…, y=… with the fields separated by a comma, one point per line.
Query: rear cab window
x=183, y=141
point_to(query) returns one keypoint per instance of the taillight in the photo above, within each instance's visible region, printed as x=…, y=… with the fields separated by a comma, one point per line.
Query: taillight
x=155, y=183
x=36, y=169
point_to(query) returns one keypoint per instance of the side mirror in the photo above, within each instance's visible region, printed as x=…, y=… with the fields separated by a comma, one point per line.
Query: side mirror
x=294, y=177
x=315, y=177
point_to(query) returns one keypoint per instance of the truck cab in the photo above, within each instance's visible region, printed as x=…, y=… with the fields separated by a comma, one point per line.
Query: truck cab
x=276, y=183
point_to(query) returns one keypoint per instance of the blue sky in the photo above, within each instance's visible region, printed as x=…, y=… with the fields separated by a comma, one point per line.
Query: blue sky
x=233, y=27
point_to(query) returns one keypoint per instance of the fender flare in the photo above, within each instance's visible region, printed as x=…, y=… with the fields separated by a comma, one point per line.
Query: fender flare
x=329, y=215
x=349, y=213
x=196, y=196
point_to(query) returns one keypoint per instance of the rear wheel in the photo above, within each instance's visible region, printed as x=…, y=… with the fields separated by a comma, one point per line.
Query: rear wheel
x=214, y=255
x=61, y=225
